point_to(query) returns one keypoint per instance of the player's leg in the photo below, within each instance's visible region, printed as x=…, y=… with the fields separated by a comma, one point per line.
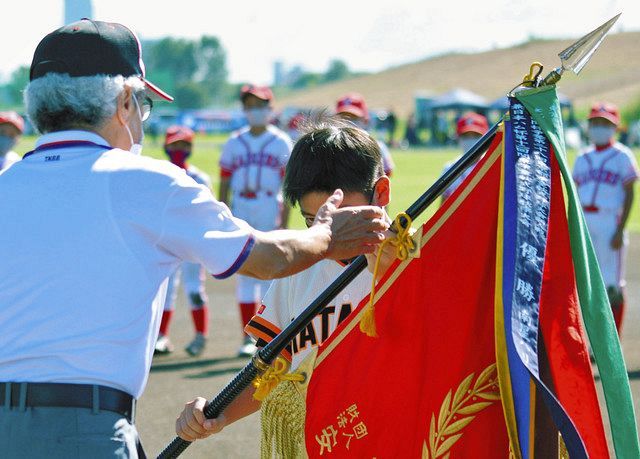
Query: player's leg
x=246, y=294
x=601, y=229
x=193, y=277
x=163, y=343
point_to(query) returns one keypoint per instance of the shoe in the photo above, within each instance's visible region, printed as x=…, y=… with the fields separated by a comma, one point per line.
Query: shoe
x=196, y=346
x=163, y=346
x=248, y=348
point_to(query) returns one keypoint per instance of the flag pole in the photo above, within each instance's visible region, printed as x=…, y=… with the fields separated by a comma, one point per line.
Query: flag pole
x=265, y=356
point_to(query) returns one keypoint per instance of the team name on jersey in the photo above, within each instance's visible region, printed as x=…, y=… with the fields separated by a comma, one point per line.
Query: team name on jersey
x=598, y=176
x=309, y=336
x=255, y=159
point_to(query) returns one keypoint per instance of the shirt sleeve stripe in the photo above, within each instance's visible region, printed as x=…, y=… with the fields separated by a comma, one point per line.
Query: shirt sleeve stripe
x=246, y=250
x=265, y=332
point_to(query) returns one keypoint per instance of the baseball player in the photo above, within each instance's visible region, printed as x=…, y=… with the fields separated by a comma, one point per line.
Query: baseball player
x=604, y=175
x=178, y=145
x=11, y=128
x=252, y=166
x=332, y=154
x=352, y=107
x=469, y=128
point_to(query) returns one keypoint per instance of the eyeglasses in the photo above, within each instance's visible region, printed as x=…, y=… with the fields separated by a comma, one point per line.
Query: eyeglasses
x=145, y=108
x=145, y=104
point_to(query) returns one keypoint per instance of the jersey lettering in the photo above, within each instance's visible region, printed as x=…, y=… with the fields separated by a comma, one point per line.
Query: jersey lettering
x=308, y=335
x=597, y=176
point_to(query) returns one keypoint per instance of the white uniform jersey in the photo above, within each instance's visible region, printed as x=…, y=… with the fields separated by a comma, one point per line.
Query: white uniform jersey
x=457, y=182
x=89, y=236
x=289, y=296
x=191, y=274
x=10, y=158
x=600, y=177
x=255, y=166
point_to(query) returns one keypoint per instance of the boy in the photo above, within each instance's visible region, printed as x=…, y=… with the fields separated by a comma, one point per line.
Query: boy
x=332, y=154
x=604, y=175
x=251, y=170
x=178, y=145
x=352, y=107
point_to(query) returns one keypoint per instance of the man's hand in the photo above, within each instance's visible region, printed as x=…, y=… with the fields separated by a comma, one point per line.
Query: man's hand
x=192, y=425
x=618, y=237
x=352, y=230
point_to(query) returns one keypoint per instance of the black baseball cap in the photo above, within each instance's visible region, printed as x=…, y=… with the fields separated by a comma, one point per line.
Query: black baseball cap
x=87, y=48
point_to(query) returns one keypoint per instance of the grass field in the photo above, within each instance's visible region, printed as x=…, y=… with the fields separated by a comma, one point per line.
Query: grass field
x=415, y=171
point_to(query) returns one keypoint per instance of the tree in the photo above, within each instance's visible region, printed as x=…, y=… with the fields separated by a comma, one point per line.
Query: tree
x=17, y=82
x=191, y=95
x=212, y=58
x=338, y=70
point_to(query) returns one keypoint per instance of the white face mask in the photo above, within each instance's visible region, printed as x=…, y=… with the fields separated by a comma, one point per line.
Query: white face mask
x=466, y=143
x=258, y=116
x=601, y=135
x=136, y=148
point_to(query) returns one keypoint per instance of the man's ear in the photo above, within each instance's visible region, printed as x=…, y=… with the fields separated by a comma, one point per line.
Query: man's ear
x=382, y=192
x=123, y=105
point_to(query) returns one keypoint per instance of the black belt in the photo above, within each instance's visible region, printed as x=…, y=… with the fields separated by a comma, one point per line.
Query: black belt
x=71, y=396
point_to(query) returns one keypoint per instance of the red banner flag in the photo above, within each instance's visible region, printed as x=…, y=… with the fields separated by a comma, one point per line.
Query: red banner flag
x=427, y=386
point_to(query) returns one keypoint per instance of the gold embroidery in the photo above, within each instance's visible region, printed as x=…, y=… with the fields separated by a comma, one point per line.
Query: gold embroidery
x=455, y=414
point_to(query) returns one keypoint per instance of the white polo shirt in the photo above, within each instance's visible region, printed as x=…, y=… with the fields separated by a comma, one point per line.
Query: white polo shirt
x=88, y=237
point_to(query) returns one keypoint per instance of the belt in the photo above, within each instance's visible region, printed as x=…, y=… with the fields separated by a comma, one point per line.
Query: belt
x=591, y=209
x=68, y=395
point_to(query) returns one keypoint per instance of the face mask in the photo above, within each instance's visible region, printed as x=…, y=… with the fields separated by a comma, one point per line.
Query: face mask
x=258, y=116
x=601, y=135
x=136, y=148
x=6, y=144
x=466, y=143
x=178, y=157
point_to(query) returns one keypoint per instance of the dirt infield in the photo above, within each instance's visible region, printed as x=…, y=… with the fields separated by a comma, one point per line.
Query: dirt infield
x=177, y=378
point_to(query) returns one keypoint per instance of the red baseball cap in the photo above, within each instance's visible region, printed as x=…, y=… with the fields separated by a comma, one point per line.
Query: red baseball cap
x=353, y=103
x=12, y=118
x=261, y=92
x=472, y=122
x=176, y=133
x=607, y=111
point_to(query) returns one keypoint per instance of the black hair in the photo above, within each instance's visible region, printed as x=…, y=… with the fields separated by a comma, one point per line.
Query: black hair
x=332, y=153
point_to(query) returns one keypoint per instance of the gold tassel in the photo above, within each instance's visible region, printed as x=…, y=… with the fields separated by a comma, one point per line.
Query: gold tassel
x=282, y=417
x=272, y=377
x=562, y=448
x=404, y=245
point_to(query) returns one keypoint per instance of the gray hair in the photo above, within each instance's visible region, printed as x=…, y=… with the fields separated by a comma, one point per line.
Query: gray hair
x=58, y=101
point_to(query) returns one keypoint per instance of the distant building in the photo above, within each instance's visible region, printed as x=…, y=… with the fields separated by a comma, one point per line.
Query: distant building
x=74, y=10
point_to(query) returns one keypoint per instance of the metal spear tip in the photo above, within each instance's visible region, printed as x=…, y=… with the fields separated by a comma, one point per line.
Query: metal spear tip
x=576, y=56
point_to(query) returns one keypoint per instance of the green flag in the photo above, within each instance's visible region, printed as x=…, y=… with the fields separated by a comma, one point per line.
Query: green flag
x=543, y=105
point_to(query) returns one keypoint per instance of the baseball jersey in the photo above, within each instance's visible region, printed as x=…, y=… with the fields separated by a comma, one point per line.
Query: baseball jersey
x=10, y=158
x=255, y=166
x=288, y=297
x=600, y=177
x=458, y=181
x=89, y=237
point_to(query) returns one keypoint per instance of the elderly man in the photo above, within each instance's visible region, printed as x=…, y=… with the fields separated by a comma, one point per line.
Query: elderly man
x=11, y=128
x=90, y=233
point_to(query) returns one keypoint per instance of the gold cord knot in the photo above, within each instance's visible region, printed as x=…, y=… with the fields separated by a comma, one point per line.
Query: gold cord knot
x=272, y=376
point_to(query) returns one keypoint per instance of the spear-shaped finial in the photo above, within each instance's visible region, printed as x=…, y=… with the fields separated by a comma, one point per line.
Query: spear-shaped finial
x=576, y=56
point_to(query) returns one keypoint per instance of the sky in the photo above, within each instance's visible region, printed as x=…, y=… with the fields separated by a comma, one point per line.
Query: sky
x=368, y=35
